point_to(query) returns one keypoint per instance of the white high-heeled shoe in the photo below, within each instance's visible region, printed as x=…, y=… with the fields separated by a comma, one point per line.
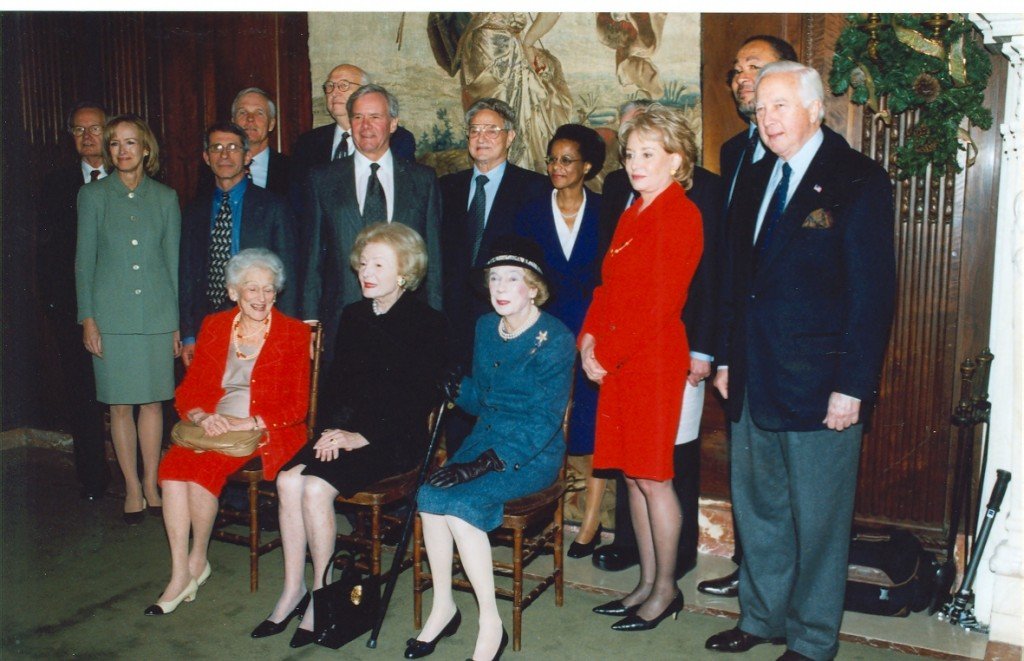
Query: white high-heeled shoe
x=168, y=607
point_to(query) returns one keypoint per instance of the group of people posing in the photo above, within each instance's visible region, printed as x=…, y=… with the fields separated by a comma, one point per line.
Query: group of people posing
x=434, y=288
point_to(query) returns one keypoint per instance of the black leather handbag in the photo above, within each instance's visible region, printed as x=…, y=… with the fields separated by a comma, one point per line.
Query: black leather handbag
x=347, y=608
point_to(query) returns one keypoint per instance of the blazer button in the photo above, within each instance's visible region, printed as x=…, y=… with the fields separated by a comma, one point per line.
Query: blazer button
x=753, y=296
x=135, y=242
x=497, y=363
x=138, y=291
x=612, y=327
x=135, y=267
x=131, y=196
x=516, y=467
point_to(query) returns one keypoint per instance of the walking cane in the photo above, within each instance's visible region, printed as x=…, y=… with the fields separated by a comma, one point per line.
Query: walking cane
x=403, y=542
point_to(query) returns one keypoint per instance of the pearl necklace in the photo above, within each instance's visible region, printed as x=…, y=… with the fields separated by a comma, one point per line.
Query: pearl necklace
x=513, y=334
x=236, y=337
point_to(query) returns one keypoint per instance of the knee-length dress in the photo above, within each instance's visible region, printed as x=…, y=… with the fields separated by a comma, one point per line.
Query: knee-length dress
x=639, y=336
x=126, y=279
x=278, y=393
x=382, y=384
x=572, y=279
x=518, y=391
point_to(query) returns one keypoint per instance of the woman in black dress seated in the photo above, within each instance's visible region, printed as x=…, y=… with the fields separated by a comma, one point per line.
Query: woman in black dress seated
x=379, y=390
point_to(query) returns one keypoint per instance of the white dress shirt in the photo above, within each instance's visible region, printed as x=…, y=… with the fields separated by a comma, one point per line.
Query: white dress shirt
x=386, y=174
x=259, y=168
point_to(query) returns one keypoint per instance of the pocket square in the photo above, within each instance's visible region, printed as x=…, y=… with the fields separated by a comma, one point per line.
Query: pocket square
x=819, y=219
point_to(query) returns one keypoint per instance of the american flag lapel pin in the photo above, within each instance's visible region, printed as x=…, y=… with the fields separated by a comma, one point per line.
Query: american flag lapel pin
x=817, y=188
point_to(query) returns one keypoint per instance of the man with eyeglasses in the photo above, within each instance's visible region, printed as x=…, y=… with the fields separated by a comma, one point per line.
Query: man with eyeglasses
x=344, y=196
x=334, y=141
x=55, y=262
x=479, y=204
x=256, y=113
x=231, y=215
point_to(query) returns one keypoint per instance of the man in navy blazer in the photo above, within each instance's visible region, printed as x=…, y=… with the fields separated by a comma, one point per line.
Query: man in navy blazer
x=55, y=262
x=260, y=219
x=806, y=306
x=336, y=193
x=491, y=129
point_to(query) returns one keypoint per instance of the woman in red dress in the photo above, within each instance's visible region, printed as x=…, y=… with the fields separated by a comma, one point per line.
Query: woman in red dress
x=633, y=343
x=250, y=372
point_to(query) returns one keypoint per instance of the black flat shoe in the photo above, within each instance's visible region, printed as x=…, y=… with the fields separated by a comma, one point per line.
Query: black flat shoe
x=501, y=647
x=269, y=628
x=134, y=518
x=616, y=608
x=301, y=638
x=415, y=649
x=636, y=623
x=614, y=557
x=577, y=550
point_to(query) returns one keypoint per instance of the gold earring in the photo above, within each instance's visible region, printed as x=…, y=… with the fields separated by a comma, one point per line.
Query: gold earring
x=401, y=281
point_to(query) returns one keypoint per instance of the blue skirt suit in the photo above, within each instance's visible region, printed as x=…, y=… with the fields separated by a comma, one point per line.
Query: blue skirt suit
x=518, y=391
x=572, y=280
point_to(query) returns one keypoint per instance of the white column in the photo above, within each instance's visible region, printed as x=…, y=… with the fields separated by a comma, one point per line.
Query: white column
x=999, y=587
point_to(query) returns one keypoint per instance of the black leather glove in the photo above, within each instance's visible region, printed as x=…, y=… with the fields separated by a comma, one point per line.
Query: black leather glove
x=450, y=382
x=452, y=474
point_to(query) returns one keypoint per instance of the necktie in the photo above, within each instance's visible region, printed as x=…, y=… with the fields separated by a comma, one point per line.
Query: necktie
x=220, y=252
x=775, y=208
x=477, y=215
x=342, y=148
x=94, y=175
x=375, y=206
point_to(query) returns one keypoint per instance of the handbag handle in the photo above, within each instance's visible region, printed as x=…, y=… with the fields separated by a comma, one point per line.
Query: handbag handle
x=330, y=563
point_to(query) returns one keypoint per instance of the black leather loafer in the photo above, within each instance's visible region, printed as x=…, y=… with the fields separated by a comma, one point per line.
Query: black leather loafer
x=738, y=640
x=615, y=558
x=727, y=586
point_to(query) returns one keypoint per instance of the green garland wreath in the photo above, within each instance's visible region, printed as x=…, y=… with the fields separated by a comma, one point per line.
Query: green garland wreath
x=900, y=57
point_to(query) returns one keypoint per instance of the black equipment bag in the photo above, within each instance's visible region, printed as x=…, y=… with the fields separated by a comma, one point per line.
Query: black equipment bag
x=889, y=573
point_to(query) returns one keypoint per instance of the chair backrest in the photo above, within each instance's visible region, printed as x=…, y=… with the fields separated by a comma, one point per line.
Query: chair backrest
x=317, y=344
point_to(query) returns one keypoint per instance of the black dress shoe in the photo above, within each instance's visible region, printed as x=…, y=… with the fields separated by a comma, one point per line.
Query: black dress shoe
x=501, y=647
x=738, y=640
x=270, y=628
x=790, y=655
x=134, y=518
x=415, y=649
x=616, y=608
x=577, y=550
x=727, y=586
x=636, y=623
x=301, y=638
x=615, y=558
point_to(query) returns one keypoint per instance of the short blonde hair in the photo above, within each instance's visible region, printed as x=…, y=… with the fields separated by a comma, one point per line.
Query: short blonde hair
x=404, y=240
x=150, y=161
x=670, y=128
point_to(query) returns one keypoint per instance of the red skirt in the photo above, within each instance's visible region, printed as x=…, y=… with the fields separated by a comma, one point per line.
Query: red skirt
x=209, y=470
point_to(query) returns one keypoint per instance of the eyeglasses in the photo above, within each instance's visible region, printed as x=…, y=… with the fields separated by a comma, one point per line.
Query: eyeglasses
x=79, y=131
x=218, y=148
x=565, y=161
x=341, y=86
x=477, y=131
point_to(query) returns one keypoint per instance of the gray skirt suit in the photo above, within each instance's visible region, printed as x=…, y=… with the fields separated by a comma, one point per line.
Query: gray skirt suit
x=126, y=278
x=518, y=391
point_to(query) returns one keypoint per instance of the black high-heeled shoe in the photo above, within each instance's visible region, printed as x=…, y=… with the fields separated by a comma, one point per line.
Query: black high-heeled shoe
x=578, y=550
x=501, y=646
x=301, y=638
x=636, y=623
x=270, y=628
x=415, y=649
x=616, y=608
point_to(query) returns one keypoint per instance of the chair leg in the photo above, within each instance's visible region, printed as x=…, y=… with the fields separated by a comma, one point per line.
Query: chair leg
x=517, y=589
x=558, y=557
x=417, y=574
x=375, y=537
x=254, y=536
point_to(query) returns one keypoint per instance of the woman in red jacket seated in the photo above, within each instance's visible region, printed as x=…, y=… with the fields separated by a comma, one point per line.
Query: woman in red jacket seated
x=250, y=372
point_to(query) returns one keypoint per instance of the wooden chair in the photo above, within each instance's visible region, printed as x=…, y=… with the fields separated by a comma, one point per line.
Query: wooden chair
x=372, y=524
x=533, y=526
x=251, y=475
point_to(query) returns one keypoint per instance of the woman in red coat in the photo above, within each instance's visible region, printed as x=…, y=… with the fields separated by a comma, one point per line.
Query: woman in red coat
x=633, y=343
x=250, y=372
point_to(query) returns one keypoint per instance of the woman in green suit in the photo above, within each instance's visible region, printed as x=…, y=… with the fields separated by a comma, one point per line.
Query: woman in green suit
x=126, y=272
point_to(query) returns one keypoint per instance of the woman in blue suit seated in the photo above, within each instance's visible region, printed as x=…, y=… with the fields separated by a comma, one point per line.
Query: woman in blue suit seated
x=519, y=387
x=565, y=226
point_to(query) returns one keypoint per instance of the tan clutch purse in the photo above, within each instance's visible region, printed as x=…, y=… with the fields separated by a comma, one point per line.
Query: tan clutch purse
x=233, y=443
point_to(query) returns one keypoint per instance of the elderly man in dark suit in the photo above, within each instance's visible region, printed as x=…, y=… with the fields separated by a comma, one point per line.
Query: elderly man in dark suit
x=256, y=113
x=55, y=261
x=479, y=204
x=807, y=303
x=371, y=186
x=735, y=159
x=232, y=215
x=699, y=317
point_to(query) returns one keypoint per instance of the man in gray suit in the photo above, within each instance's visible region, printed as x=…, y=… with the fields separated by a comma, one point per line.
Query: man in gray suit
x=346, y=195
